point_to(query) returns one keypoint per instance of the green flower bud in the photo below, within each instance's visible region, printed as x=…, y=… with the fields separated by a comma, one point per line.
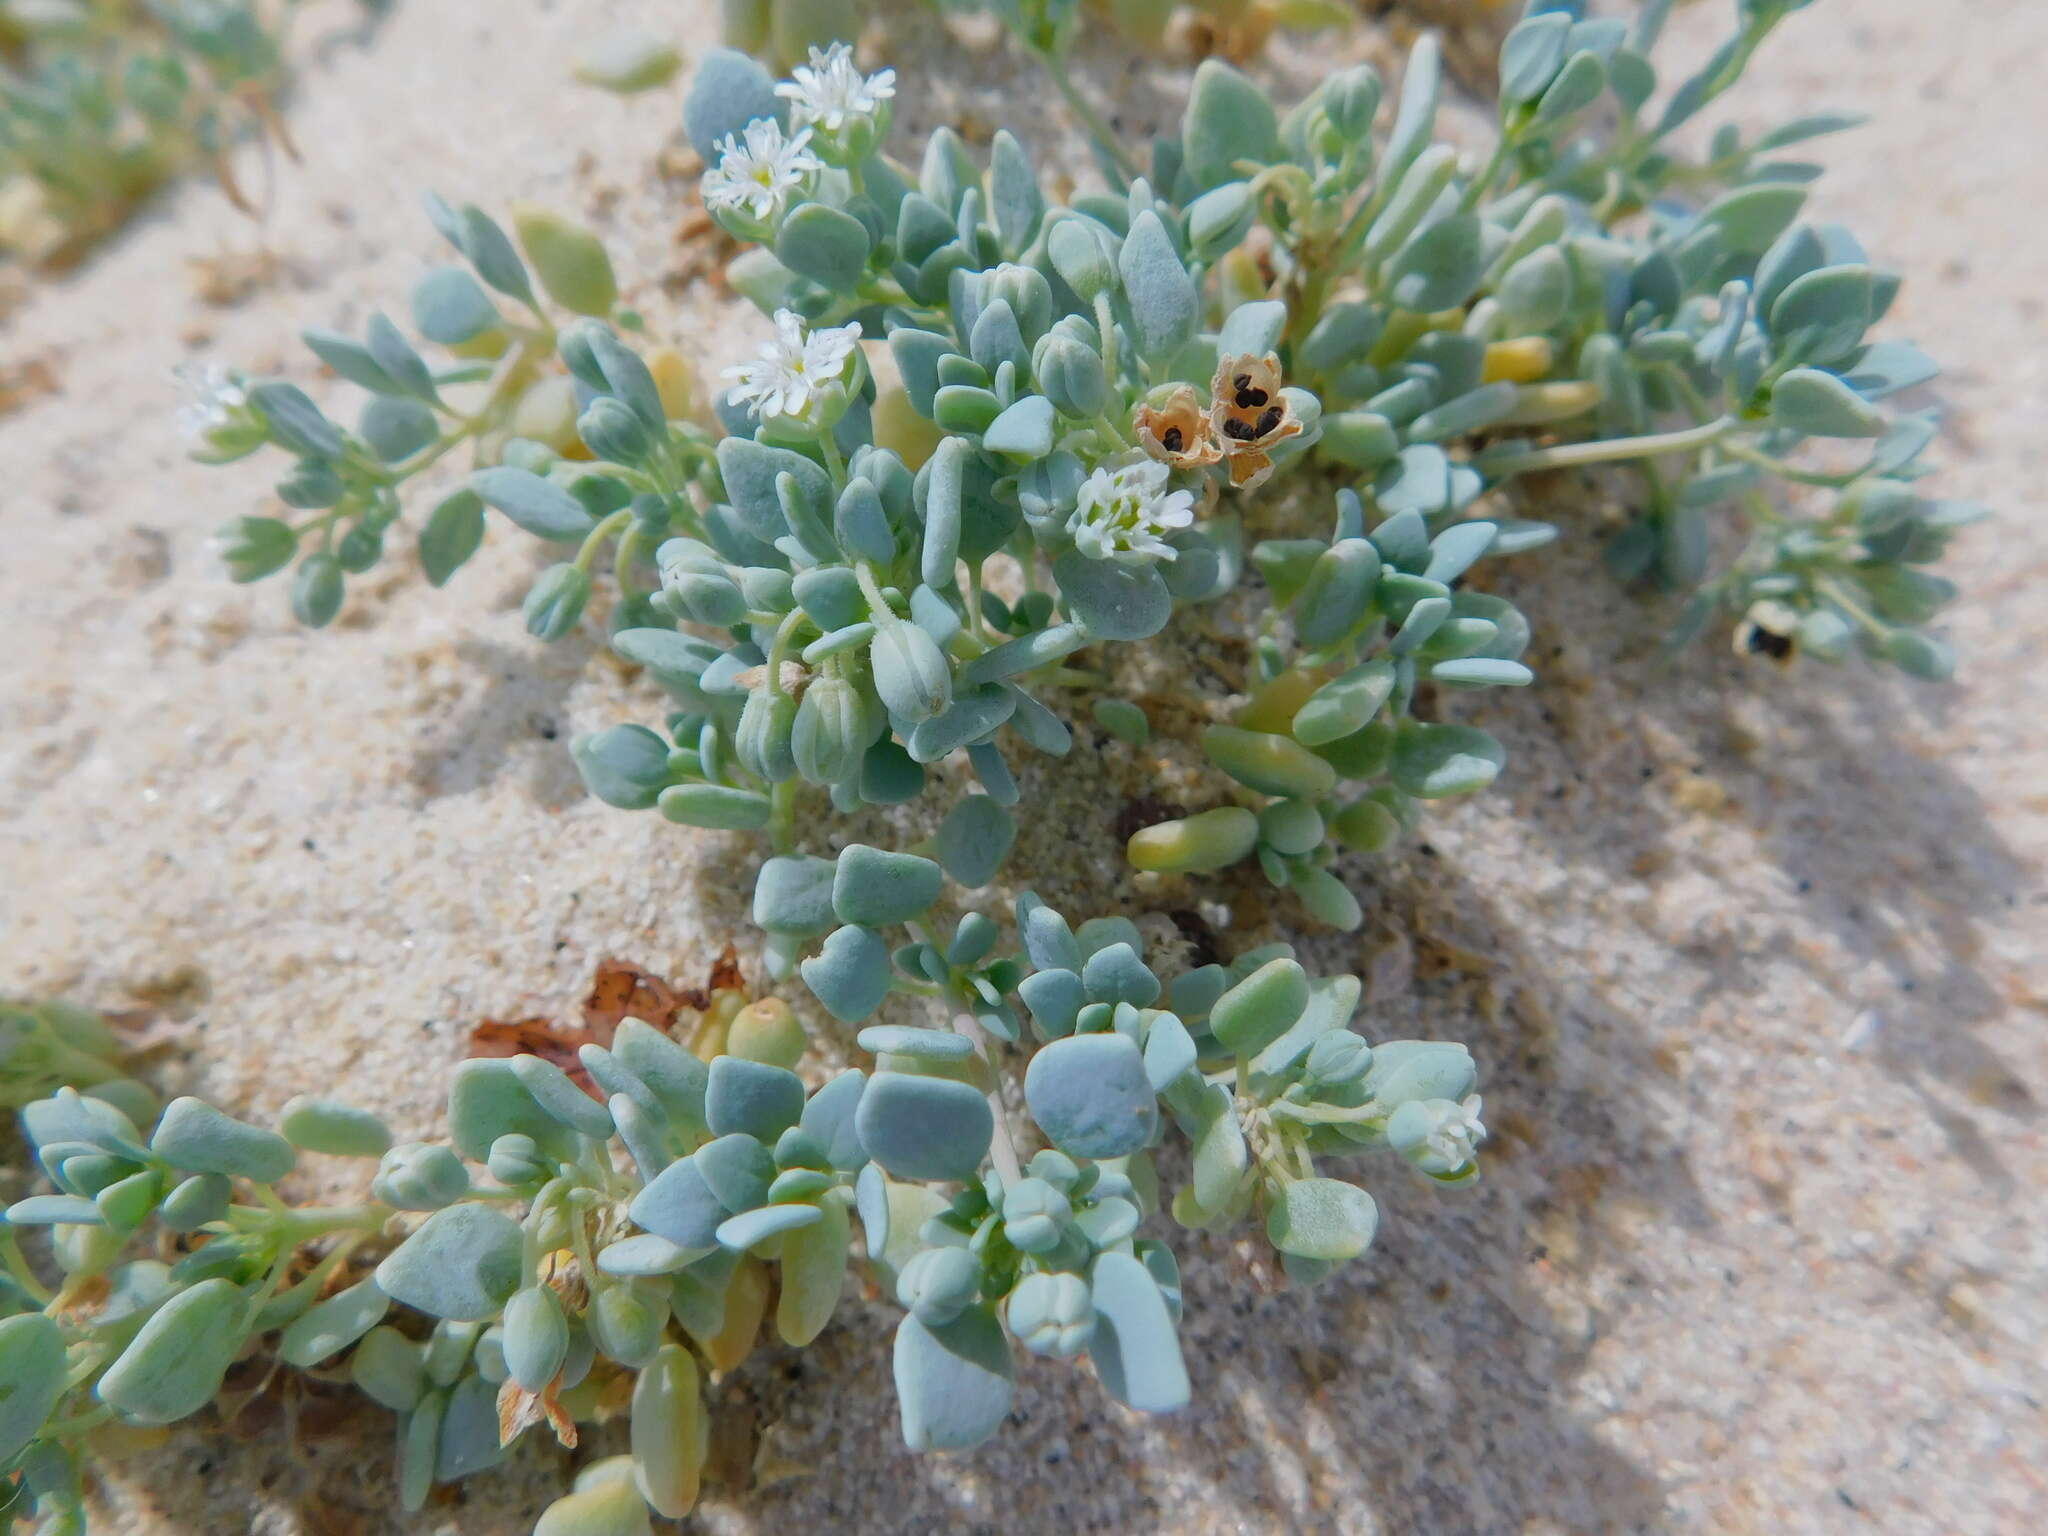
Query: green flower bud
x=1035, y=1214
x=1350, y=98
x=605, y=1508
x=254, y=547
x=416, y=1176
x=697, y=581
x=312, y=486
x=317, y=590
x=556, y=600
x=1071, y=375
x=764, y=741
x=515, y=1160
x=536, y=1337
x=1337, y=1058
x=830, y=733
x=910, y=670
x=611, y=430
x=1439, y=1136
x=938, y=1284
x=1027, y=293
x=625, y=60
x=1052, y=1314
x=360, y=548
x=767, y=1031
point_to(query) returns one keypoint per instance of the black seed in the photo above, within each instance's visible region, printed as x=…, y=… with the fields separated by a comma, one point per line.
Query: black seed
x=1239, y=430
x=1173, y=440
x=1764, y=643
x=1242, y=381
x=1251, y=399
x=1270, y=419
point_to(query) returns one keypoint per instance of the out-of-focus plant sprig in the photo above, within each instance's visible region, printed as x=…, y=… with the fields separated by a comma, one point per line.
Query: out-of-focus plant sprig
x=102, y=101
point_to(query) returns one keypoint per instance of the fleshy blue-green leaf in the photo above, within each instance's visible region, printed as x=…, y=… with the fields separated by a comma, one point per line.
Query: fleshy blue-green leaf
x=954, y=1382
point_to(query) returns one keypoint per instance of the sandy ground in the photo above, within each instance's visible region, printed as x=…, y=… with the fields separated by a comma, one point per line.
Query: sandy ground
x=1752, y=963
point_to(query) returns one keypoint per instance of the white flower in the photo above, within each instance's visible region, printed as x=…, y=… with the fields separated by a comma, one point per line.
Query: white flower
x=758, y=175
x=793, y=367
x=1124, y=511
x=831, y=92
x=209, y=397
x=1458, y=1132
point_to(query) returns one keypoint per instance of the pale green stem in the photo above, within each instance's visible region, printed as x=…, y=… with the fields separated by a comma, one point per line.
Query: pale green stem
x=1576, y=455
x=586, y=557
x=1098, y=130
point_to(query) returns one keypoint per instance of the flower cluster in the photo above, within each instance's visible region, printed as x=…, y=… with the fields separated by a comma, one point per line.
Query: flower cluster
x=757, y=173
x=1125, y=511
x=798, y=376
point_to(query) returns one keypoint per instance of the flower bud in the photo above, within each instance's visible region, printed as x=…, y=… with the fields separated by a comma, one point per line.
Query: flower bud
x=255, y=547
x=1052, y=1314
x=611, y=430
x=1337, y=1058
x=1350, y=98
x=763, y=742
x=416, y=1176
x=1071, y=375
x=938, y=1284
x=1035, y=1213
x=697, y=582
x=515, y=1160
x=317, y=590
x=360, y=548
x=831, y=731
x=1439, y=1136
x=910, y=670
x=312, y=486
x=556, y=600
x=1027, y=293
x=536, y=1337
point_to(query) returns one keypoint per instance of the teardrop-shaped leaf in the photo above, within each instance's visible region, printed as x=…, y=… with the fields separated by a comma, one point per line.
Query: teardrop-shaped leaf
x=954, y=1383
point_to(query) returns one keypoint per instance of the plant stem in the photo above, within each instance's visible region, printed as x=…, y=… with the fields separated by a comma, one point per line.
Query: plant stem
x=1001, y=1148
x=782, y=816
x=1098, y=130
x=1575, y=455
x=586, y=557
